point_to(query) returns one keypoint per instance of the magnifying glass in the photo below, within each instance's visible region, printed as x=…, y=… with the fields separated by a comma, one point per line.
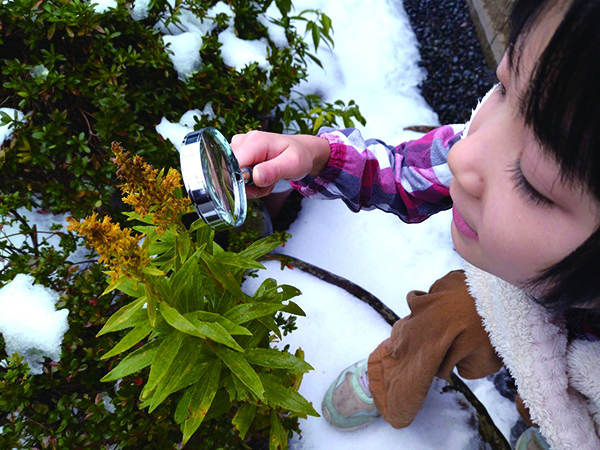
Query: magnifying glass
x=213, y=179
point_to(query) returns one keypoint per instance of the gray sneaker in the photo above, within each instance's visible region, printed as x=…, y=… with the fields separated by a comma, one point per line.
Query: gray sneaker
x=531, y=439
x=348, y=403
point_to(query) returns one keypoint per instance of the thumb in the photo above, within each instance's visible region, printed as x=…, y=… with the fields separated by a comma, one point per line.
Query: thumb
x=266, y=174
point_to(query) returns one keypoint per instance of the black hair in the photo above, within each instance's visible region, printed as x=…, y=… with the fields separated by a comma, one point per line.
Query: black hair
x=562, y=107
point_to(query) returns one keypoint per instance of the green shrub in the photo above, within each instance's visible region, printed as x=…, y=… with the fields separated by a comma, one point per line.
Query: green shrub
x=84, y=80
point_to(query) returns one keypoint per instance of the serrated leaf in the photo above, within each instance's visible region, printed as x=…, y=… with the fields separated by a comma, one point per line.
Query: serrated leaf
x=134, y=362
x=243, y=419
x=276, y=359
x=122, y=316
x=133, y=337
x=203, y=393
x=278, y=439
x=244, y=371
x=287, y=398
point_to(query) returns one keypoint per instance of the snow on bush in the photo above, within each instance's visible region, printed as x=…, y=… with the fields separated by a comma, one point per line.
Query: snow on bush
x=30, y=323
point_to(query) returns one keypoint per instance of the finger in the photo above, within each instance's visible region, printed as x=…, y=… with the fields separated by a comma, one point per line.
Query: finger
x=286, y=166
x=250, y=148
x=257, y=192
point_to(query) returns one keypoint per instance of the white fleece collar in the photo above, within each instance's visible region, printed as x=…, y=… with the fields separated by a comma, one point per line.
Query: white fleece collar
x=550, y=377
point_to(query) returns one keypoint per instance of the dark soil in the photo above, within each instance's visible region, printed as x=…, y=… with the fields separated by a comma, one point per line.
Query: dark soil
x=457, y=74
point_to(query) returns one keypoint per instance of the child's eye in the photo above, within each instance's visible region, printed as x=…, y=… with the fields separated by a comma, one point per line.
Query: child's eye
x=526, y=188
x=501, y=89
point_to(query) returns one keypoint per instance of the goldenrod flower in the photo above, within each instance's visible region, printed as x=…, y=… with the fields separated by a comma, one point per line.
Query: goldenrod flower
x=118, y=249
x=148, y=190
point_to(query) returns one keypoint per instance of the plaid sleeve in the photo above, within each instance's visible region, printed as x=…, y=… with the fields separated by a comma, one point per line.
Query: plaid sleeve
x=411, y=180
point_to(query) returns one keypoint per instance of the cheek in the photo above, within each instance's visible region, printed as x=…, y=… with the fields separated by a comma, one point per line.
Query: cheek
x=519, y=241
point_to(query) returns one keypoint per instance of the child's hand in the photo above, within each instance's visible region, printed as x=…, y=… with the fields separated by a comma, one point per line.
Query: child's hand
x=277, y=157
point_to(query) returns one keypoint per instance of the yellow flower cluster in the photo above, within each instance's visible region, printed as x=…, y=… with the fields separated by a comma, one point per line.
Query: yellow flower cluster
x=118, y=249
x=148, y=190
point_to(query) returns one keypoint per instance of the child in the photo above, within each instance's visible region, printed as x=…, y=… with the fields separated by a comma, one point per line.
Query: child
x=523, y=181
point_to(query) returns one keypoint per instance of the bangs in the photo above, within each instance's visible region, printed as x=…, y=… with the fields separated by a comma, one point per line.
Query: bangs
x=562, y=101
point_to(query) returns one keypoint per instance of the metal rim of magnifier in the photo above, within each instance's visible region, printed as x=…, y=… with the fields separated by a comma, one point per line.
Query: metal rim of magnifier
x=198, y=181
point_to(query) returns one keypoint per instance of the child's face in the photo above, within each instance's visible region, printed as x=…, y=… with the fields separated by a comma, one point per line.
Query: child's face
x=512, y=215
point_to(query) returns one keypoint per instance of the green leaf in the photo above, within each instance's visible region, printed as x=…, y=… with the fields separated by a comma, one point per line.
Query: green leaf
x=201, y=398
x=278, y=439
x=153, y=271
x=230, y=326
x=276, y=359
x=263, y=246
x=115, y=284
x=271, y=325
x=183, y=246
x=284, y=6
x=287, y=398
x=133, y=337
x=249, y=311
x=185, y=368
x=293, y=308
x=239, y=262
x=133, y=288
x=134, y=362
x=163, y=359
x=244, y=371
x=152, y=300
x=184, y=274
x=269, y=291
x=122, y=316
x=179, y=322
x=222, y=275
x=243, y=419
x=204, y=330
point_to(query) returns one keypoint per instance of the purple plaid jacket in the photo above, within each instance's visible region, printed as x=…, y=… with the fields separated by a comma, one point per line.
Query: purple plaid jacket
x=411, y=180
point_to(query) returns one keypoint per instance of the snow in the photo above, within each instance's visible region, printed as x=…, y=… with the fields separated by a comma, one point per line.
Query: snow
x=185, y=53
x=30, y=323
x=6, y=131
x=373, y=249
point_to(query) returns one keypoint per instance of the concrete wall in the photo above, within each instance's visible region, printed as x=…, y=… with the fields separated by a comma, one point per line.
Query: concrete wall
x=490, y=17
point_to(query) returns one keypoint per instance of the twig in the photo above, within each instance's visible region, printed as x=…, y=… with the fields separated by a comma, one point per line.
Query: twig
x=488, y=430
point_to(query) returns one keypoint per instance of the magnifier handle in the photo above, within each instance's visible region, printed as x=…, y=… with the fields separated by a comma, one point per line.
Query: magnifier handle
x=247, y=175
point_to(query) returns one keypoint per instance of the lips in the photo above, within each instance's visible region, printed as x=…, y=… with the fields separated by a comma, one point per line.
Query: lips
x=462, y=226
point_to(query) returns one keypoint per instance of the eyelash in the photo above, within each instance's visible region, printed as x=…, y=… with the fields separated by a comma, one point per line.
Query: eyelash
x=501, y=89
x=526, y=188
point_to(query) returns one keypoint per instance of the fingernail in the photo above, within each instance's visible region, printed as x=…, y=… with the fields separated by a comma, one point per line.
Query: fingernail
x=257, y=176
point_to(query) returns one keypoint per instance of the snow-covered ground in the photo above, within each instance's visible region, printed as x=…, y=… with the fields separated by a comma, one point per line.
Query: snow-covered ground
x=374, y=62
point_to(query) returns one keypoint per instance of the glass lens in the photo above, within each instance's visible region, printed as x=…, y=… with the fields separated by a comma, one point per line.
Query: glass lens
x=223, y=177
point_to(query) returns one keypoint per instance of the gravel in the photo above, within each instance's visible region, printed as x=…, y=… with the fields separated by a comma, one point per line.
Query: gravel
x=457, y=74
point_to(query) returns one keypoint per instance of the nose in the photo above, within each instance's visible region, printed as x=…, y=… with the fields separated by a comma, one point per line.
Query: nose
x=466, y=166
